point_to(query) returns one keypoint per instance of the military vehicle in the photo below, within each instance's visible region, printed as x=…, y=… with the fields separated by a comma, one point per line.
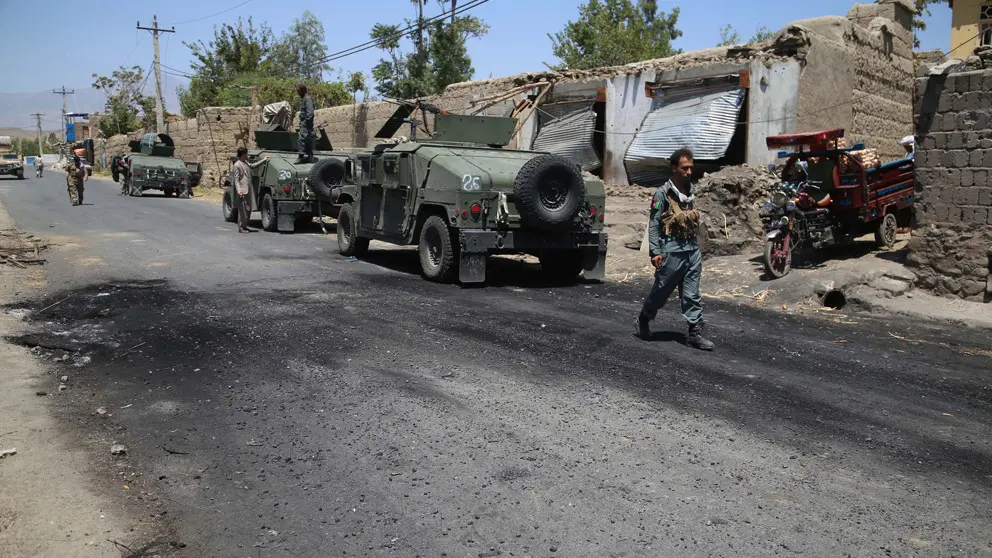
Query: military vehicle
x=152, y=165
x=11, y=163
x=289, y=194
x=461, y=195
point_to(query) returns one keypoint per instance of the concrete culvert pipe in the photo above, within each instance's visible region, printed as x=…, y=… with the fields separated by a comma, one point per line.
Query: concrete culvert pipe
x=834, y=299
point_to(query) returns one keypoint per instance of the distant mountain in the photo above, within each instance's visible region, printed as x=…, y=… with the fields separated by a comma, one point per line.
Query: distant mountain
x=27, y=132
x=16, y=108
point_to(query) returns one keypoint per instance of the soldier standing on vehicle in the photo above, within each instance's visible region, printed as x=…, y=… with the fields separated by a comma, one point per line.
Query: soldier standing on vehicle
x=306, y=125
x=75, y=176
x=242, y=184
x=675, y=253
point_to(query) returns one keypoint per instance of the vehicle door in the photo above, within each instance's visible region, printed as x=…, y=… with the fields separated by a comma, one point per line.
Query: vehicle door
x=370, y=193
x=397, y=201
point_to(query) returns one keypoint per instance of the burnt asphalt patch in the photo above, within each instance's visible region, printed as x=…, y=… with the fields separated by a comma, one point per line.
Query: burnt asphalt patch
x=388, y=415
x=277, y=399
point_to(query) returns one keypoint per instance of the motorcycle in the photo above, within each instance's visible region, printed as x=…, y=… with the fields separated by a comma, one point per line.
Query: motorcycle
x=783, y=231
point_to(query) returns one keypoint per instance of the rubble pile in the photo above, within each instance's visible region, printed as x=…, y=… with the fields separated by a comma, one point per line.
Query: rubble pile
x=730, y=201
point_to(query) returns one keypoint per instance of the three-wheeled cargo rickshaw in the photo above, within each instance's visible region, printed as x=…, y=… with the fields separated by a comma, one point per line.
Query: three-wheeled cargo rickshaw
x=832, y=194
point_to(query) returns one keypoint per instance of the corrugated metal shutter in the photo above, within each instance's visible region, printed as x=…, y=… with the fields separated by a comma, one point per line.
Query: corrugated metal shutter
x=703, y=122
x=567, y=129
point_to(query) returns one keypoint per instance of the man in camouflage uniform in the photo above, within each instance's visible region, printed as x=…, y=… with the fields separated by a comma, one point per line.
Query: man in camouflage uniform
x=306, y=139
x=75, y=176
x=675, y=252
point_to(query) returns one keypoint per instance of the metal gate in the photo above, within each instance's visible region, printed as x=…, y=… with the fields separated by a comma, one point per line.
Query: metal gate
x=568, y=129
x=703, y=122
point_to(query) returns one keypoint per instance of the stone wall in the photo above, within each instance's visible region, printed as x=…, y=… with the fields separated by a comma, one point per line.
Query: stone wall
x=951, y=251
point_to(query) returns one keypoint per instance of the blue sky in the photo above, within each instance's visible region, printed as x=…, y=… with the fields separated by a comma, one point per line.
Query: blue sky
x=62, y=49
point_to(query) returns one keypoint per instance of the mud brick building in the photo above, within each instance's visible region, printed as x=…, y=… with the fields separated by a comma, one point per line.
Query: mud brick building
x=951, y=250
x=853, y=72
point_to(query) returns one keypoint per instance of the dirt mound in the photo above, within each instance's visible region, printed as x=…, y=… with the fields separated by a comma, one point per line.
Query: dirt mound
x=730, y=200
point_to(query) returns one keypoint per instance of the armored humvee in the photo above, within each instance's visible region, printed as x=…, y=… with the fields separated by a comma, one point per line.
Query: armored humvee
x=462, y=195
x=10, y=161
x=151, y=165
x=290, y=194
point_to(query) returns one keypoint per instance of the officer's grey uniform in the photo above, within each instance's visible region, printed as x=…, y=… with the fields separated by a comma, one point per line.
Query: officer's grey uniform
x=681, y=266
x=306, y=138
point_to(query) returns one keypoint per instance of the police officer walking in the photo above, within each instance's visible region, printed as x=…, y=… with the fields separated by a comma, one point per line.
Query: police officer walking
x=306, y=139
x=675, y=253
x=75, y=176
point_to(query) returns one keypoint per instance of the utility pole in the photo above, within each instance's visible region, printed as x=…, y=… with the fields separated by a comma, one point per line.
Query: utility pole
x=38, y=115
x=159, y=105
x=63, y=93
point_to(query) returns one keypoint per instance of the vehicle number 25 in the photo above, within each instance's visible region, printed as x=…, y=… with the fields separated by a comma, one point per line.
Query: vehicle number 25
x=471, y=183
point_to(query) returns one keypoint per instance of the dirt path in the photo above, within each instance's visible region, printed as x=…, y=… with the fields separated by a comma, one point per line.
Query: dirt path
x=54, y=500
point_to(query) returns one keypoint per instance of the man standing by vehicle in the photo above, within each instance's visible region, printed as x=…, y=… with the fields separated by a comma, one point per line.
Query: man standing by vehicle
x=306, y=138
x=675, y=252
x=909, y=144
x=75, y=176
x=242, y=186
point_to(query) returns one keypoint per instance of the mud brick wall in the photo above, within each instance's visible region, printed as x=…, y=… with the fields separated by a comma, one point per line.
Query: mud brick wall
x=951, y=251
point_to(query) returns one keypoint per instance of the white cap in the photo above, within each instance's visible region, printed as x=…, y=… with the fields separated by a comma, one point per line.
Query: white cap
x=908, y=140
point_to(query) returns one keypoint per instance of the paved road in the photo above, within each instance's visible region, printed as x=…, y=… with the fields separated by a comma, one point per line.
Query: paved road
x=280, y=400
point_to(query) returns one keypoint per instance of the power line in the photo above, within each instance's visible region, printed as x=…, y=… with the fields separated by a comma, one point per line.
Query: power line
x=364, y=46
x=213, y=15
x=403, y=32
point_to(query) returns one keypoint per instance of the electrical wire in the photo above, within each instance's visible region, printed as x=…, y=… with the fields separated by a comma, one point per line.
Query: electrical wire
x=212, y=15
x=375, y=43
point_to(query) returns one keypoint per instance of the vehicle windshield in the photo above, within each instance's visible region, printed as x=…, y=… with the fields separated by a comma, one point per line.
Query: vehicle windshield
x=10, y=156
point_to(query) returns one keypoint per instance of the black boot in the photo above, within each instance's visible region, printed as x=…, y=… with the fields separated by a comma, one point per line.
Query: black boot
x=696, y=339
x=642, y=328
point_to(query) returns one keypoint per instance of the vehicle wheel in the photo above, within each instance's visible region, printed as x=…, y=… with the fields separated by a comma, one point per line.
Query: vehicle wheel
x=549, y=192
x=437, y=250
x=115, y=172
x=885, y=234
x=778, y=257
x=270, y=221
x=20, y=175
x=167, y=192
x=325, y=175
x=349, y=243
x=230, y=213
x=561, y=266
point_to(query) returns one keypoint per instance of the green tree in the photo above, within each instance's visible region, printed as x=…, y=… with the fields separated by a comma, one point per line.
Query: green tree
x=439, y=56
x=730, y=37
x=356, y=83
x=615, y=32
x=124, y=101
x=236, y=51
x=242, y=57
x=301, y=52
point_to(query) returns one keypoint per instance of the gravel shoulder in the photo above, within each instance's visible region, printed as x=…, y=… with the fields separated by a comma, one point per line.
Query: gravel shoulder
x=60, y=488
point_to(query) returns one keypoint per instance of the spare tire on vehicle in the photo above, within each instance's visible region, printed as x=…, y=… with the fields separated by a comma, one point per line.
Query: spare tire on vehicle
x=549, y=192
x=114, y=170
x=325, y=175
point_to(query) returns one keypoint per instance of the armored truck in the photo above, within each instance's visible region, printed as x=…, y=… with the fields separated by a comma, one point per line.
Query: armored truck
x=11, y=163
x=151, y=165
x=288, y=194
x=461, y=195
